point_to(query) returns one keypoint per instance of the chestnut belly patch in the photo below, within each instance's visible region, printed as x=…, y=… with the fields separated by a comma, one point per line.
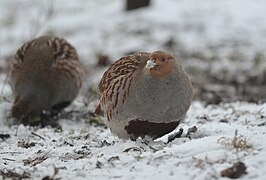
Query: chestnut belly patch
x=140, y=128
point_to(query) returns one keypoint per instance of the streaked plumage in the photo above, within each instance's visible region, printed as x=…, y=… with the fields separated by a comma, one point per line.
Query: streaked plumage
x=45, y=75
x=145, y=94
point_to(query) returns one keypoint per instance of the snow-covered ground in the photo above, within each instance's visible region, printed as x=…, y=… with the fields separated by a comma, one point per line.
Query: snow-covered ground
x=85, y=151
x=218, y=37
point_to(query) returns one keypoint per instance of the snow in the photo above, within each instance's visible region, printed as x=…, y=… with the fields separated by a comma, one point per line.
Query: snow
x=227, y=34
x=93, y=152
x=150, y=64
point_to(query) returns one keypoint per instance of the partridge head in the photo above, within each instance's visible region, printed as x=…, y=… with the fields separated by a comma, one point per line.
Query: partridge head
x=145, y=94
x=45, y=76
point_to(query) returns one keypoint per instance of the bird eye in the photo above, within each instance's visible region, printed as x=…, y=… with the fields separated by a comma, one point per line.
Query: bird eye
x=163, y=59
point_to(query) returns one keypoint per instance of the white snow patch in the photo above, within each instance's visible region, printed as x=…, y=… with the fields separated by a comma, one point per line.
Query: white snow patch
x=150, y=64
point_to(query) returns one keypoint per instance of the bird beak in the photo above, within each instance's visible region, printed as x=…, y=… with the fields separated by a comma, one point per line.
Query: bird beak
x=150, y=64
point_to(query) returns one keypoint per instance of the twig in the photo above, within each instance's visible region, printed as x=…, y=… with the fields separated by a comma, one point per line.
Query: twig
x=8, y=159
x=33, y=133
x=47, y=16
x=12, y=152
x=175, y=135
x=70, y=144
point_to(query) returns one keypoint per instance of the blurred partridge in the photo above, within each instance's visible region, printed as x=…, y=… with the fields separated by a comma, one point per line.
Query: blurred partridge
x=145, y=94
x=45, y=76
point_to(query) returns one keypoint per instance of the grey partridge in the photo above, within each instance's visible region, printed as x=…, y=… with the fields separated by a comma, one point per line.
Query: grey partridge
x=45, y=76
x=145, y=94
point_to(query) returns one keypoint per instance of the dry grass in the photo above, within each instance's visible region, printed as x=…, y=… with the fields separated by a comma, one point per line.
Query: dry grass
x=37, y=160
x=238, y=142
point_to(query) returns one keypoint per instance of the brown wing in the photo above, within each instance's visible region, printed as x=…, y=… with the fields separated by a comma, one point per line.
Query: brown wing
x=123, y=66
x=63, y=56
x=66, y=58
x=16, y=65
x=116, y=81
x=62, y=49
x=19, y=56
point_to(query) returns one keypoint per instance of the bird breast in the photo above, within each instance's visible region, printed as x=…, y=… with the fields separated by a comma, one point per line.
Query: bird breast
x=156, y=100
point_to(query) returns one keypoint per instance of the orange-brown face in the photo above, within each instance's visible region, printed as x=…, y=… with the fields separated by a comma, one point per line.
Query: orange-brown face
x=160, y=64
